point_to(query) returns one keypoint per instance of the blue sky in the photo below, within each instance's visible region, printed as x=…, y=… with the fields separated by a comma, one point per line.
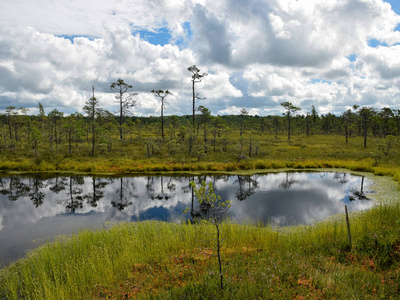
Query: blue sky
x=395, y=5
x=330, y=54
x=162, y=36
x=159, y=37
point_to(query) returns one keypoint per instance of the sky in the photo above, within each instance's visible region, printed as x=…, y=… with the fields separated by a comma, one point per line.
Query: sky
x=330, y=54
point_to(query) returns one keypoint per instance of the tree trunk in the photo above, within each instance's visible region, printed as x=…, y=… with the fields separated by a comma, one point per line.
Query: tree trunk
x=55, y=131
x=365, y=131
x=219, y=255
x=162, y=118
x=194, y=104
x=120, y=115
x=69, y=142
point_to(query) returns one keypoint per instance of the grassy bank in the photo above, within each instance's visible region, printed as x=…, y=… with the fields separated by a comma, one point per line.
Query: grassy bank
x=162, y=260
x=303, y=152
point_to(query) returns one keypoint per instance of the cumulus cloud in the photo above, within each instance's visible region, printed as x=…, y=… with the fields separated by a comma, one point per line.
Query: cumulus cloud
x=211, y=38
x=385, y=61
x=330, y=54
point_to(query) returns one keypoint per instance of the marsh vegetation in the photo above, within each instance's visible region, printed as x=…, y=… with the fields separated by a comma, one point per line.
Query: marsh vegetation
x=158, y=259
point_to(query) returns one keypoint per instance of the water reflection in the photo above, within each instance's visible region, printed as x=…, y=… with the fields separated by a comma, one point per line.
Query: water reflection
x=34, y=208
x=288, y=182
x=124, y=193
x=358, y=194
x=97, y=192
x=36, y=194
x=247, y=186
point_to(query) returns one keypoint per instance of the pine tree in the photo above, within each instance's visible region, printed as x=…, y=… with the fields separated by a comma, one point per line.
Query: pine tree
x=91, y=107
x=125, y=102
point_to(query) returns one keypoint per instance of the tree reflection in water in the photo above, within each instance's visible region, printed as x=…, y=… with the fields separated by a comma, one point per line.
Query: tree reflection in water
x=58, y=184
x=17, y=188
x=75, y=199
x=341, y=176
x=355, y=194
x=97, y=193
x=36, y=194
x=31, y=209
x=76, y=191
x=247, y=186
x=288, y=182
x=358, y=194
x=125, y=192
x=150, y=187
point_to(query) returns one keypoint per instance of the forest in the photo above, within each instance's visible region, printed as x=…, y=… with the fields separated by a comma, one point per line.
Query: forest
x=49, y=142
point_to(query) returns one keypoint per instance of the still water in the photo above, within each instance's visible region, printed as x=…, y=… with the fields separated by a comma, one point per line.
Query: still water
x=35, y=209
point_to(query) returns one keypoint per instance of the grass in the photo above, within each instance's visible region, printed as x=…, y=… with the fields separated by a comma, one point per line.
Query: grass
x=130, y=157
x=161, y=260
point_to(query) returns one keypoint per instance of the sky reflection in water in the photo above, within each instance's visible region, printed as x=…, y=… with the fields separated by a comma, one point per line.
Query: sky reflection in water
x=34, y=210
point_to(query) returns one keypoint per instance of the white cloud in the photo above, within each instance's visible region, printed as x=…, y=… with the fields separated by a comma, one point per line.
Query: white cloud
x=258, y=53
x=382, y=61
x=211, y=38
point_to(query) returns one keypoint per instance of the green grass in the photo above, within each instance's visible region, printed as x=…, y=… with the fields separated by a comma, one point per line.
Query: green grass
x=318, y=151
x=162, y=260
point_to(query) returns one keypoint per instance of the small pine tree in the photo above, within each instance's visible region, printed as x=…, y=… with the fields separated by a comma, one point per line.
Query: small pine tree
x=216, y=210
x=91, y=107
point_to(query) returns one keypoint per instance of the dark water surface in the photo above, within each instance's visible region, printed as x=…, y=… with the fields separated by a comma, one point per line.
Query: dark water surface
x=33, y=210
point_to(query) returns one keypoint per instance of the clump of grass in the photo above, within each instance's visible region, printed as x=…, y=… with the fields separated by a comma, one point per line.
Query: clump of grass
x=231, y=167
x=278, y=165
x=261, y=165
x=177, y=167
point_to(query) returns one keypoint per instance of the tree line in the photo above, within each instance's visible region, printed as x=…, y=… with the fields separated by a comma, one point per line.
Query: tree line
x=202, y=132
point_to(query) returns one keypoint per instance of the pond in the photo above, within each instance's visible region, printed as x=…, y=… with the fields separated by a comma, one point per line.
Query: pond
x=34, y=210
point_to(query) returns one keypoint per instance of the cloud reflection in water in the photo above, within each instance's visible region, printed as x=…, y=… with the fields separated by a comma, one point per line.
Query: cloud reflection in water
x=37, y=209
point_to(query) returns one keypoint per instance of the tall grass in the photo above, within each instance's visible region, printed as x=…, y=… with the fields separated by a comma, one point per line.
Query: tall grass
x=70, y=268
x=130, y=157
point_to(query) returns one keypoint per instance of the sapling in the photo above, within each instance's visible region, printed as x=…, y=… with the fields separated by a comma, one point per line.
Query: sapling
x=214, y=210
